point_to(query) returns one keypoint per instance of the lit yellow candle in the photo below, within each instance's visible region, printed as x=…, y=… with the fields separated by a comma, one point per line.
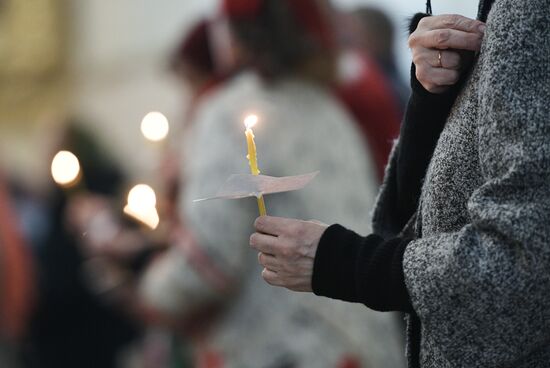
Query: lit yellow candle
x=249, y=122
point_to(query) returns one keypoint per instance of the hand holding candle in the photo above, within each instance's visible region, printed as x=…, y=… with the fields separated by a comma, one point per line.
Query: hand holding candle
x=249, y=122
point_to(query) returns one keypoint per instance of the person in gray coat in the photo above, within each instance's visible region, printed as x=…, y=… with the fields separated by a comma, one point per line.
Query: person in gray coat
x=461, y=239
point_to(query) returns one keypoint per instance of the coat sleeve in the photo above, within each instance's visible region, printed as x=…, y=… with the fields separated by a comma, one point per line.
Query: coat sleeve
x=482, y=292
x=206, y=262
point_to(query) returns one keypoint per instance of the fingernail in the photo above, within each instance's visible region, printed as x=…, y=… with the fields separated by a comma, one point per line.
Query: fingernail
x=481, y=28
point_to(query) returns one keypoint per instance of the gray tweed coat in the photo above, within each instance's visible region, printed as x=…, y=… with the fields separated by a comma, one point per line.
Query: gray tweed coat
x=479, y=274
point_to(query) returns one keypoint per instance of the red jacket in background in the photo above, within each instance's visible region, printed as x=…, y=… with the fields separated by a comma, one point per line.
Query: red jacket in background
x=16, y=281
x=367, y=94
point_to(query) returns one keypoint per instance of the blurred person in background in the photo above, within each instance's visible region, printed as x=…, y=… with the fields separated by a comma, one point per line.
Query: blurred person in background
x=364, y=89
x=193, y=64
x=375, y=34
x=71, y=326
x=208, y=279
x=16, y=281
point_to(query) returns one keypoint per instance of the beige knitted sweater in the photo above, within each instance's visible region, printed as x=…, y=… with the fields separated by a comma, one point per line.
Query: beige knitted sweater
x=301, y=129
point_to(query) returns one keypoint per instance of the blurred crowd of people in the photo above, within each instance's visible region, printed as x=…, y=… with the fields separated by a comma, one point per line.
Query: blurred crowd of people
x=83, y=285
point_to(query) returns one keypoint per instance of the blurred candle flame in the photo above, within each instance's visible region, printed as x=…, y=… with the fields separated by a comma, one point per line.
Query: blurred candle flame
x=155, y=126
x=65, y=168
x=141, y=205
x=250, y=121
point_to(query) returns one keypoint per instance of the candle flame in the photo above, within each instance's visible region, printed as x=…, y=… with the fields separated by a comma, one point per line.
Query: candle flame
x=155, y=126
x=250, y=121
x=141, y=205
x=142, y=195
x=65, y=168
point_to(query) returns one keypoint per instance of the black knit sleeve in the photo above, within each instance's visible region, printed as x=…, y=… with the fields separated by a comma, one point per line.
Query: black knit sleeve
x=360, y=269
x=423, y=122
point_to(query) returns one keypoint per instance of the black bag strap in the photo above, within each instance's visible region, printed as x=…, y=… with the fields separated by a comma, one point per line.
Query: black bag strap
x=429, y=7
x=484, y=8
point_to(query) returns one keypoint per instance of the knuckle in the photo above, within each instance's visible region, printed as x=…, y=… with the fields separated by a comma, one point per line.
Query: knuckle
x=301, y=231
x=286, y=252
x=259, y=223
x=423, y=22
x=442, y=36
x=421, y=73
x=473, y=25
x=294, y=230
x=413, y=40
x=450, y=21
x=417, y=58
x=303, y=251
x=268, y=276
